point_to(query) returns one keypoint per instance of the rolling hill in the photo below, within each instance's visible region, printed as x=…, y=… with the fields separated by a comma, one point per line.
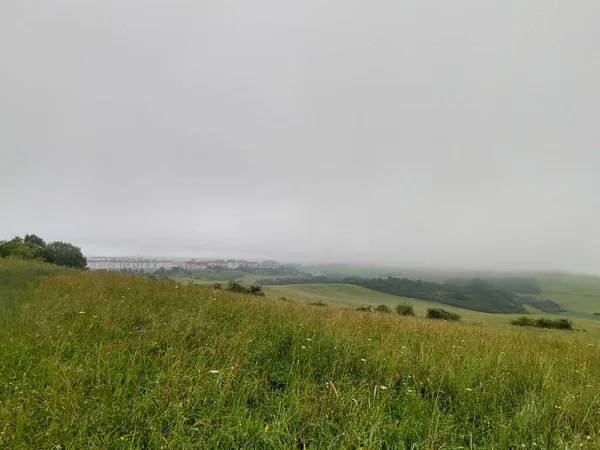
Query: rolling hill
x=112, y=361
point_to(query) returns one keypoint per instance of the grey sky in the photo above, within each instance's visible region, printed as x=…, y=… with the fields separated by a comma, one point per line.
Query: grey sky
x=427, y=133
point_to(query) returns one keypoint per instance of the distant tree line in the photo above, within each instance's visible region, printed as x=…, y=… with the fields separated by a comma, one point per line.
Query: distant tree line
x=475, y=294
x=516, y=285
x=34, y=247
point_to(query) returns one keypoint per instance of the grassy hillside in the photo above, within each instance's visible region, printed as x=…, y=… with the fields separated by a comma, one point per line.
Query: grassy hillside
x=574, y=292
x=91, y=360
x=348, y=295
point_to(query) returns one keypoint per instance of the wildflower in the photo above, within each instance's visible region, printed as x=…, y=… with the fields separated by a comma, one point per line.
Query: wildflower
x=213, y=371
x=363, y=359
x=266, y=428
x=308, y=339
x=588, y=438
x=327, y=384
x=334, y=349
x=303, y=347
x=558, y=408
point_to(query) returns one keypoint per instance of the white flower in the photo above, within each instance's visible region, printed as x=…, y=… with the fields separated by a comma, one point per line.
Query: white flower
x=363, y=359
x=213, y=371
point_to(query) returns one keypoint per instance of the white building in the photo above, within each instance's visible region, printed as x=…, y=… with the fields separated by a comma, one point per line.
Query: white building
x=137, y=265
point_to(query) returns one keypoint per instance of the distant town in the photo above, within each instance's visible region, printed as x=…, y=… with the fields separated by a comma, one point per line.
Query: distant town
x=151, y=265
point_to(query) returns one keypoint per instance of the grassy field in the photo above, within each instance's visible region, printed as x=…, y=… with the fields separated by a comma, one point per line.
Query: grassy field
x=91, y=360
x=575, y=292
x=347, y=295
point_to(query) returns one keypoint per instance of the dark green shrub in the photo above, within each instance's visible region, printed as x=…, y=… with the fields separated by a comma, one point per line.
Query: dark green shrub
x=256, y=290
x=318, y=303
x=405, y=309
x=597, y=314
x=439, y=313
x=559, y=324
x=523, y=322
x=364, y=308
x=383, y=309
x=239, y=288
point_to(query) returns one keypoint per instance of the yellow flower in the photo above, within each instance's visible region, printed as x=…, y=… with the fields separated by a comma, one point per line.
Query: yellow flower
x=266, y=428
x=558, y=408
x=588, y=438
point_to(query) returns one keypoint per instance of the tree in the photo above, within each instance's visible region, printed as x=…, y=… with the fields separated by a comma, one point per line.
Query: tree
x=15, y=248
x=64, y=254
x=35, y=243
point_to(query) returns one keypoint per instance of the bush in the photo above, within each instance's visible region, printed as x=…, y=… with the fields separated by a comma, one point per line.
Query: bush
x=256, y=290
x=383, y=309
x=364, y=308
x=405, y=309
x=439, y=313
x=239, y=288
x=318, y=303
x=523, y=322
x=597, y=314
x=559, y=324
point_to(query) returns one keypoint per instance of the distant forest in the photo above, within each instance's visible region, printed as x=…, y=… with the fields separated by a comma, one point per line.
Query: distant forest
x=507, y=295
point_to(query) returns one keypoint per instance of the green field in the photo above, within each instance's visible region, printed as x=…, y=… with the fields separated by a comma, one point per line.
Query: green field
x=575, y=292
x=347, y=295
x=111, y=361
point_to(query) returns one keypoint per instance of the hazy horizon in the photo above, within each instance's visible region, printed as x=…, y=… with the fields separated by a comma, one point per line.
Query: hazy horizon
x=457, y=135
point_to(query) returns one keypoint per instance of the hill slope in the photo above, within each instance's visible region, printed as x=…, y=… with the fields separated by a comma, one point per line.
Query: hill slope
x=575, y=292
x=92, y=360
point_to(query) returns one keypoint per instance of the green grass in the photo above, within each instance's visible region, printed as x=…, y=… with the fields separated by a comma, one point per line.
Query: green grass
x=347, y=295
x=577, y=293
x=93, y=360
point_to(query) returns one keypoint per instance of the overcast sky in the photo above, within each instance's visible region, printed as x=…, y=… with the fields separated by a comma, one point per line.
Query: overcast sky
x=424, y=133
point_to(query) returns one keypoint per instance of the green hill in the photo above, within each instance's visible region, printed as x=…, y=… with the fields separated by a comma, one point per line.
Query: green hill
x=110, y=361
x=578, y=293
x=349, y=295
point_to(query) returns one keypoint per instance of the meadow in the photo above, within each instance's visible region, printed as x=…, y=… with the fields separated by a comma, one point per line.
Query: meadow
x=110, y=361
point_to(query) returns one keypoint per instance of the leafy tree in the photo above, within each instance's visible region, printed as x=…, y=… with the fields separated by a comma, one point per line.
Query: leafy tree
x=64, y=254
x=36, y=243
x=15, y=248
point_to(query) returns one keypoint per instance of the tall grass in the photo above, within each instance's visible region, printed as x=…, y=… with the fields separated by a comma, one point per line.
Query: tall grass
x=118, y=362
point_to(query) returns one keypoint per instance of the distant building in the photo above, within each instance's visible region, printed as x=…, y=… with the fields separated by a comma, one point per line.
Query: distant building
x=196, y=265
x=230, y=264
x=269, y=264
x=137, y=265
